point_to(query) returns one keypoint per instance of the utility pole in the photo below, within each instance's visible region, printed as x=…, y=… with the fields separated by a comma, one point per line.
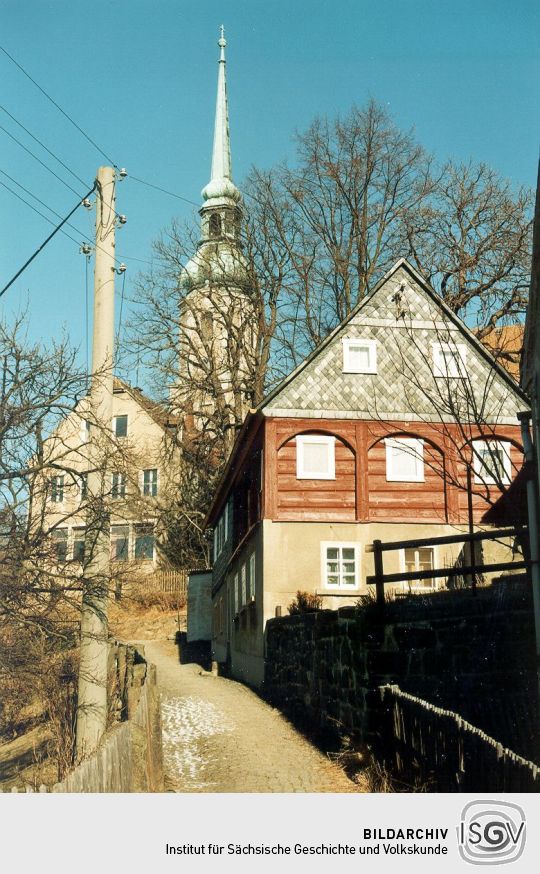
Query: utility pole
x=92, y=699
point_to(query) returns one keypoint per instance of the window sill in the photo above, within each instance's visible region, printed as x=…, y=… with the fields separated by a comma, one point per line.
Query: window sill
x=338, y=592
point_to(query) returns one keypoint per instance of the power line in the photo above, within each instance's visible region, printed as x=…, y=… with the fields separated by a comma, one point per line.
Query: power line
x=47, y=219
x=26, y=149
x=57, y=214
x=164, y=190
x=65, y=114
x=87, y=137
x=43, y=146
x=36, y=253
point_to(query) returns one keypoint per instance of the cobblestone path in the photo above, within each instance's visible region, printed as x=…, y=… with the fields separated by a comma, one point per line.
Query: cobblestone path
x=219, y=736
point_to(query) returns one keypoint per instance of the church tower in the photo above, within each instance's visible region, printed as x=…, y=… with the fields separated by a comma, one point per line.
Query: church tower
x=217, y=319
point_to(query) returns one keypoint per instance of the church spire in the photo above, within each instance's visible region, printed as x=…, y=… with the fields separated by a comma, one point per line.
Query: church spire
x=221, y=187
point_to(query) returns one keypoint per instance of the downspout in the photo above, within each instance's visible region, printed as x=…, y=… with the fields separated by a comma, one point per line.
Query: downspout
x=532, y=510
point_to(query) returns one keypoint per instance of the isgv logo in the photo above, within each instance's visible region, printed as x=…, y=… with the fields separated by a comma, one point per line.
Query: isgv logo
x=491, y=832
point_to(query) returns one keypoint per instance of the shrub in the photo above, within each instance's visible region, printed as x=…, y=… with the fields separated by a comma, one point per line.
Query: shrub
x=305, y=602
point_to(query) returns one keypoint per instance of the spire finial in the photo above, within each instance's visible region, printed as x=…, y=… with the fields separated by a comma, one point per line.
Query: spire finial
x=221, y=184
x=222, y=42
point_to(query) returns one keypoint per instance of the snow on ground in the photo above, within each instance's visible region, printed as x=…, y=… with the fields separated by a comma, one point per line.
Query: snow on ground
x=187, y=723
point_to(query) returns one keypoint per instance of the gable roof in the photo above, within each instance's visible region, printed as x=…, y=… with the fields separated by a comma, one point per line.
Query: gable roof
x=158, y=413
x=254, y=416
x=364, y=303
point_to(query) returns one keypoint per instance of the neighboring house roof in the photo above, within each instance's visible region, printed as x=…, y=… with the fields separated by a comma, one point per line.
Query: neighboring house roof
x=318, y=388
x=158, y=413
x=506, y=345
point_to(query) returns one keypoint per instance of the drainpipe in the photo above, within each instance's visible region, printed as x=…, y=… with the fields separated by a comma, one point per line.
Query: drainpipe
x=532, y=509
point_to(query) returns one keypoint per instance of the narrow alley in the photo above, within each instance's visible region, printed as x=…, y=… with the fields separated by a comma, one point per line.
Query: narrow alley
x=219, y=736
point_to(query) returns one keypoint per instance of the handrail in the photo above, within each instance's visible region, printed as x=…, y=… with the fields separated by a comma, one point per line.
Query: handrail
x=451, y=538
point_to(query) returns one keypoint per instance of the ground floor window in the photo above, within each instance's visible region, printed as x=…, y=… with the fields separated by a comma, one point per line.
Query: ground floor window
x=251, y=592
x=120, y=542
x=419, y=558
x=340, y=565
x=78, y=544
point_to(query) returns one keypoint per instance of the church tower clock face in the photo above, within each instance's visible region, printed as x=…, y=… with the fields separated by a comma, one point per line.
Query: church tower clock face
x=217, y=319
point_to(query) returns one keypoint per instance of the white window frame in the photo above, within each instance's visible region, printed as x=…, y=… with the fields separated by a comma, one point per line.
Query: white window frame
x=60, y=536
x=121, y=486
x=482, y=475
x=142, y=483
x=252, y=572
x=74, y=538
x=303, y=440
x=458, y=370
x=58, y=488
x=420, y=585
x=370, y=345
x=243, y=582
x=416, y=449
x=114, y=538
x=136, y=527
x=341, y=586
x=221, y=531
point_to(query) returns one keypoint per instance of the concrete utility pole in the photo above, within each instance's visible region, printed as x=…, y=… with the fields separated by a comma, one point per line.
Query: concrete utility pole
x=92, y=701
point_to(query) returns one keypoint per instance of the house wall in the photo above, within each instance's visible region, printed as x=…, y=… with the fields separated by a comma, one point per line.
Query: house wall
x=238, y=634
x=360, y=490
x=141, y=449
x=199, y=606
x=289, y=558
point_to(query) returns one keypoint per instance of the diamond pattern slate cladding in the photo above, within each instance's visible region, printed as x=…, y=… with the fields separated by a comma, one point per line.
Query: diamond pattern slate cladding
x=404, y=386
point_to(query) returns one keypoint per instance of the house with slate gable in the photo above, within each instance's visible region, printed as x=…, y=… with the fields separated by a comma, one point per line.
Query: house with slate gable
x=398, y=426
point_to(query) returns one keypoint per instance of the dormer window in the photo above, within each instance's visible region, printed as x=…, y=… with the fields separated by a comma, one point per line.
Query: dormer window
x=359, y=356
x=215, y=225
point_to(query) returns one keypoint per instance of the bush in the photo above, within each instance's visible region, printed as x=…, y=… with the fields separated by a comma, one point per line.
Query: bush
x=305, y=602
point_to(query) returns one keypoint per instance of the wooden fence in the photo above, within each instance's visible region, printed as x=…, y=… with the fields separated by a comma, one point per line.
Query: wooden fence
x=428, y=747
x=170, y=581
x=129, y=757
x=379, y=579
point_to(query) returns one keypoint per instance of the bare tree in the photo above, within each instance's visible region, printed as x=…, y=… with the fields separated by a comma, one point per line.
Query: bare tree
x=316, y=237
x=472, y=240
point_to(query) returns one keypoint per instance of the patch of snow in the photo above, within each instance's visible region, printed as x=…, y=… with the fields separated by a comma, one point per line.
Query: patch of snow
x=186, y=722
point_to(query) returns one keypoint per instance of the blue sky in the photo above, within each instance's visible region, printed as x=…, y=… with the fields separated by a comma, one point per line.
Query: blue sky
x=139, y=77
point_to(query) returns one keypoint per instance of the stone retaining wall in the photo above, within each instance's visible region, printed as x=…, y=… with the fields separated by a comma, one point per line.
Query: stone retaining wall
x=473, y=655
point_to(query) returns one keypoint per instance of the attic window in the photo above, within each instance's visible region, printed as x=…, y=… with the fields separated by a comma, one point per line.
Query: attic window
x=120, y=426
x=359, y=356
x=449, y=360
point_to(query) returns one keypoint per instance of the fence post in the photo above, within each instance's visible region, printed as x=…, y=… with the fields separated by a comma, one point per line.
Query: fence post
x=379, y=572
